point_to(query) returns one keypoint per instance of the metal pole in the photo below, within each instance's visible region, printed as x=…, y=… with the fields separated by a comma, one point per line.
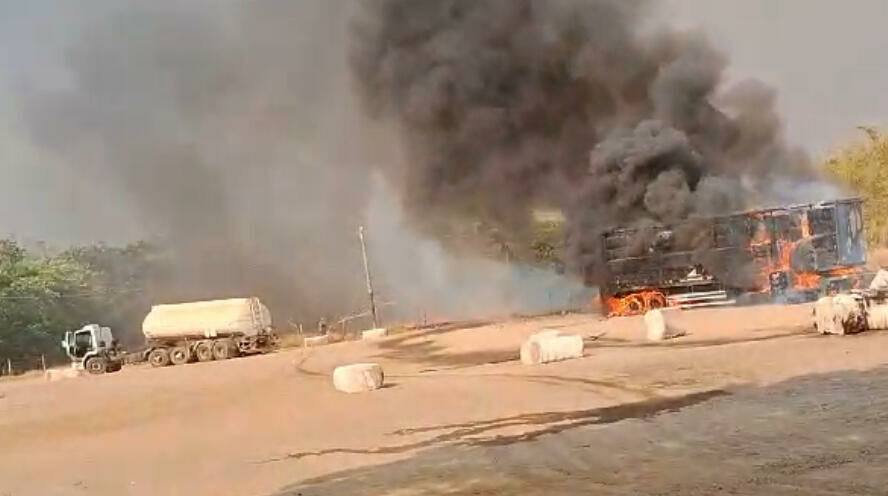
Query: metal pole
x=43, y=362
x=369, y=279
x=9, y=366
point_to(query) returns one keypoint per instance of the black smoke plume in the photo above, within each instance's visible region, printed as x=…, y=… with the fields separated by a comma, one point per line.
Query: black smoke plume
x=507, y=105
x=229, y=132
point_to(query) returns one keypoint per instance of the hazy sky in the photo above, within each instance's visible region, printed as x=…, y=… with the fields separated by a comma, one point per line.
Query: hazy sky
x=825, y=57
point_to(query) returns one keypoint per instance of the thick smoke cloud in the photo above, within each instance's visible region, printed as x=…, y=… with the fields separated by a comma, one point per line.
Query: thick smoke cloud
x=228, y=130
x=505, y=105
x=243, y=137
x=229, y=134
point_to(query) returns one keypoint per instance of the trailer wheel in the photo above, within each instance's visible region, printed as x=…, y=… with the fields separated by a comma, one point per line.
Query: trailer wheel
x=96, y=365
x=159, y=357
x=204, y=351
x=635, y=305
x=655, y=300
x=223, y=349
x=180, y=355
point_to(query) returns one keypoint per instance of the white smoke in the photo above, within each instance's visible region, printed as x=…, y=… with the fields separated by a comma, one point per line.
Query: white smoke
x=424, y=279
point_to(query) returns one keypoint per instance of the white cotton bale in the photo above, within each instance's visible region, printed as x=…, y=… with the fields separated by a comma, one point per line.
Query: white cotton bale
x=877, y=316
x=317, y=340
x=824, y=317
x=840, y=314
x=374, y=333
x=880, y=282
x=659, y=327
x=358, y=377
x=530, y=351
x=551, y=346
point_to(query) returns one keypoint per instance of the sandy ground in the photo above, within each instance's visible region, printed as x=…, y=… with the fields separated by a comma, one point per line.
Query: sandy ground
x=461, y=415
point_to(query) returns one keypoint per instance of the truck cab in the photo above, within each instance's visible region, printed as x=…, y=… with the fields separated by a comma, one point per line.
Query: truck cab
x=93, y=348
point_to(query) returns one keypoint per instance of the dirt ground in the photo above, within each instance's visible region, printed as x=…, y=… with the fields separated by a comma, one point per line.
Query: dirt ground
x=750, y=402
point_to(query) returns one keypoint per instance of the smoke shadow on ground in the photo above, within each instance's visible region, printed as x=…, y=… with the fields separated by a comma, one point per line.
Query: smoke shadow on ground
x=816, y=435
x=472, y=433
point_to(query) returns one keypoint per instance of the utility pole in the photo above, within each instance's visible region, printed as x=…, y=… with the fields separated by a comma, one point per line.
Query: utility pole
x=369, y=279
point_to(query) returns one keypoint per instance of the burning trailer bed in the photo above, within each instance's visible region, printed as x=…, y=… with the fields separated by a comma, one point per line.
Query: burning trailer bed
x=793, y=253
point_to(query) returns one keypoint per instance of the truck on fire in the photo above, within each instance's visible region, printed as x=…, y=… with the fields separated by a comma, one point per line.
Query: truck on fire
x=177, y=334
x=794, y=253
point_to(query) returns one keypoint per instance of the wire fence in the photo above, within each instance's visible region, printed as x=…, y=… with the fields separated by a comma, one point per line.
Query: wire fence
x=16, y=366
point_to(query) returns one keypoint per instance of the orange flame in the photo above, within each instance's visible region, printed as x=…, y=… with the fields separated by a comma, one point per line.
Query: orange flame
x=807, y=280
x=635, y=303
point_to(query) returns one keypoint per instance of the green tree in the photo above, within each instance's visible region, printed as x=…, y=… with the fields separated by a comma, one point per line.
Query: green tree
x=37, y=301
x=863, y=167
x=41, y=297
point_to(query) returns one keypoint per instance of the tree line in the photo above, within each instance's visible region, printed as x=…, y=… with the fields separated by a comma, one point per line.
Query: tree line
x=863, y=168
x=43, y=295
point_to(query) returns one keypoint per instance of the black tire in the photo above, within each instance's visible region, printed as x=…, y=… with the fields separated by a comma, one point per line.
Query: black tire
x=180, y=355
x=96, y=365
x=159, y=357
x=204, y=351
x=223, y=349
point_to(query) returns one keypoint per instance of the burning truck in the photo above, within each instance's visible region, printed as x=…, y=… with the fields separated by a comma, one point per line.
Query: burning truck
x=792, y=253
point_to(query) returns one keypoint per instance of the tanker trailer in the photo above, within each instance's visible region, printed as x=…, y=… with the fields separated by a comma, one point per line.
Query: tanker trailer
x=207, y=330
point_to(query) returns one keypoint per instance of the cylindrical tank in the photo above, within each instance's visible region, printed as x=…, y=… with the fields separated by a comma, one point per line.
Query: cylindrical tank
x=207, y=319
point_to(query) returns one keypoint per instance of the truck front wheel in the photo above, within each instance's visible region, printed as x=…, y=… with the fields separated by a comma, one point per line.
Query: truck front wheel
x=96, y=365
x=159, y=357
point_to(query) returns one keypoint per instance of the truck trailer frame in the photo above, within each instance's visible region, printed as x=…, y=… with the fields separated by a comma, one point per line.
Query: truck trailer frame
x=792, y=252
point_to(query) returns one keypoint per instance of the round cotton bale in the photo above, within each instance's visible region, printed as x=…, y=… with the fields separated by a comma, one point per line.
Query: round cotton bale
x=658, y=327
x=877, y=316
x=551, y=346
x=530, y=351
x=358, y=377
x=840, y=314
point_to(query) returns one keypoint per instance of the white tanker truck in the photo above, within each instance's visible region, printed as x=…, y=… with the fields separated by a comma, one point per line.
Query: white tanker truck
x=180, y=333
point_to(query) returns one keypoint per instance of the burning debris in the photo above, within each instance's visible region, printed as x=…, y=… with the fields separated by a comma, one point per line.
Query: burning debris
x=796, y=252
